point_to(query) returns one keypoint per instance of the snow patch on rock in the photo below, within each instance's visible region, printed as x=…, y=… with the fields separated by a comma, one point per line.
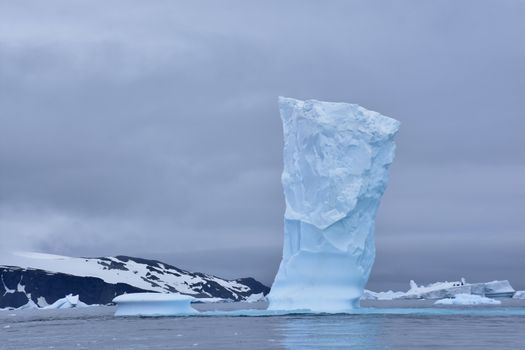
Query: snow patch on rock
x=68, y=302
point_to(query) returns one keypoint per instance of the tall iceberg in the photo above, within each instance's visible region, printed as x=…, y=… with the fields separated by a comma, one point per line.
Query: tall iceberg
x=336, y=160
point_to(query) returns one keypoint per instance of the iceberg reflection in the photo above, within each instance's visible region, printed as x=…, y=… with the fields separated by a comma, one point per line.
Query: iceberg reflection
x=330, y=332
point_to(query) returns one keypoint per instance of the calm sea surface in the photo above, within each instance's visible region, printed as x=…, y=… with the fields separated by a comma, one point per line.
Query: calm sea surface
x=96, y=328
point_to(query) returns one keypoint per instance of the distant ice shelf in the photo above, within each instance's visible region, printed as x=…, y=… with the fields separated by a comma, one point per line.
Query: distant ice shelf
x=440, y=290
x=68, y=302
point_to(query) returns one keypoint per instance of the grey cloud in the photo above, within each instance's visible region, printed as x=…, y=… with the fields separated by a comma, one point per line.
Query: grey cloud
x=153, y=130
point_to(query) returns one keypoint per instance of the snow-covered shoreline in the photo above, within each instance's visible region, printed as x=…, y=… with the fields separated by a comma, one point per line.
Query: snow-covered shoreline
x=45, y=278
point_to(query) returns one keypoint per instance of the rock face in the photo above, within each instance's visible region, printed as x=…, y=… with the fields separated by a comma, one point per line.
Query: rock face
x=19, y=286
x=336, y=160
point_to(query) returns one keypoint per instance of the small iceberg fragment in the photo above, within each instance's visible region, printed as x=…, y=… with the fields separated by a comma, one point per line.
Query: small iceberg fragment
x=154, y=304
x=389, y=295
x=520, y=294
x=468, y=299
x=441, y=290
x=254, y=298
x=68, y=302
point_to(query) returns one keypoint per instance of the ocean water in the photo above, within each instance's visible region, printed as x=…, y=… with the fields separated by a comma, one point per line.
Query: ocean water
x=424, y=326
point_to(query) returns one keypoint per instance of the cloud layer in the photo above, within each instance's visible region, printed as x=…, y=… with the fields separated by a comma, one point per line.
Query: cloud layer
x=153, y=130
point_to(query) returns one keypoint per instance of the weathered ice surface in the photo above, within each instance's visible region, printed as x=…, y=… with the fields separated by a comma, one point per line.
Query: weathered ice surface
x=467, y=299
x=439, y=290
x=336, y=160
x=520, y=294
x=153, y=304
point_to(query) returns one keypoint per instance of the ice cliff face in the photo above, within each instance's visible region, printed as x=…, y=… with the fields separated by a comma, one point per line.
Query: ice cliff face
x=336, y=160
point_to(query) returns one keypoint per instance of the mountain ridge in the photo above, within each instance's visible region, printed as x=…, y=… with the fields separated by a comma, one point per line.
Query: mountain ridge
x=45, y=278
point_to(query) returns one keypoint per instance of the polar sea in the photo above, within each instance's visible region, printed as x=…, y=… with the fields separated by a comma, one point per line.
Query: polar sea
x=416, y=324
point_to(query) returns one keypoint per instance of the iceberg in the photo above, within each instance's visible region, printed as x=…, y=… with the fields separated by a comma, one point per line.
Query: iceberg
x=495, y=289
x=468, y=299
x=519, y=294
x=254, y=298
x=68, y=302
x=388, y=295
x=440, y=290
x=336, y=161
x=154, y=304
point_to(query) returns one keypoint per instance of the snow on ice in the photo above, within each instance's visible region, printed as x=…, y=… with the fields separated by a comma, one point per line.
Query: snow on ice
x=154, y=304
x=439, y=290
x=519, y=294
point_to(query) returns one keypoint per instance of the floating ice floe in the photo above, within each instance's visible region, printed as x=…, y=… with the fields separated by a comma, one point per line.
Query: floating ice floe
x=389, y=295
x=467, y=299
x=154, y=304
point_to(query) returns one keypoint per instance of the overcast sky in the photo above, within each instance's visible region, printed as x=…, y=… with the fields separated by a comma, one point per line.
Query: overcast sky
x=152, y=129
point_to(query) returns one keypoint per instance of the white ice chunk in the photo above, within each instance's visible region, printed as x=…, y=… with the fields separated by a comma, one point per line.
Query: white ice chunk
x=520, y=294
x=389, y=295
x=68, y=302
x=255, y=298
x=468, y=299
x=42, y=302
x=336, y=160
x=153, y=304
